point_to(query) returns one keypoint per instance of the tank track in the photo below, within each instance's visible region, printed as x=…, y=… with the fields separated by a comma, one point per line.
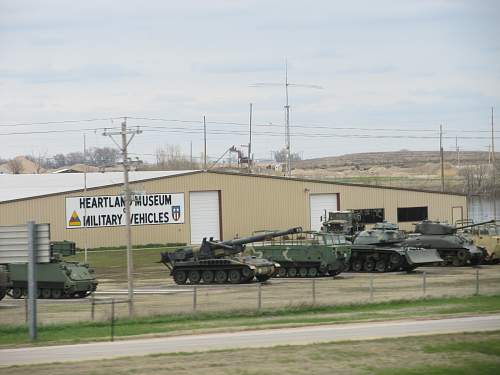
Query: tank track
x=378, y=262
x=46, y=293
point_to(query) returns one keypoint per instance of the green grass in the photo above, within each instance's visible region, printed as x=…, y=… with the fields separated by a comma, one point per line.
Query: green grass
x=470, y=368
x=490, y=347
x=233, y=320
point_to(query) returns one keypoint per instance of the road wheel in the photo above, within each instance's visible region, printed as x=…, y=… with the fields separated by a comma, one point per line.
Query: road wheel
x=395, y=260
x=46, y=293
x=207, y=277
x=458, y=262
x=303, y=272
x=282, y=272
x=220, y=276
x=194, y=277
x=234, y=276
x=17, y=293
x=56, y=293
x=381, y=266
x=462, y=254
x=180, y=277
x=312, y=272
x=262, y=278
x=292, y=272
x=369, y=265
x=357, y=265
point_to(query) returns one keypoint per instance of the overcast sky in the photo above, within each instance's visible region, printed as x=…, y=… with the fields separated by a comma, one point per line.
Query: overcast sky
x=401, y=65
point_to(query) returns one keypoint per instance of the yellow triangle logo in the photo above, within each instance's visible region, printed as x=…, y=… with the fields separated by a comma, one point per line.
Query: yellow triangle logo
x=74, y=221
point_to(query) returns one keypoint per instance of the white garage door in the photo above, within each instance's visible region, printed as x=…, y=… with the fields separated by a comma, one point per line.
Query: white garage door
x=204, y=215
x=318, y=204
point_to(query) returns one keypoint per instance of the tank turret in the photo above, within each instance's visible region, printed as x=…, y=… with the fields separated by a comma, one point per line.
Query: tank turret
x=455, y=248
x=222, y=261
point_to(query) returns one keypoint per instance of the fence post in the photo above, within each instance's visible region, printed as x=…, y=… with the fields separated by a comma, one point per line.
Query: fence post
x=314, y=291
x=112, y=319
x=26, y=309
x=259, y=297
x=195, y=292
x=92, y=307
x=424, y=283
x=477, y=281
x=371, y=287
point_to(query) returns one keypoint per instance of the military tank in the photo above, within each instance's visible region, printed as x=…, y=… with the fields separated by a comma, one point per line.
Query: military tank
x=384, y=249
x=310, y=254
x=454, y=247
x=222, y=262
x=4, y=281
x=56, y=279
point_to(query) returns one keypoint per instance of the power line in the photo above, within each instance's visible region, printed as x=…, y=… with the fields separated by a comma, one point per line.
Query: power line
x=60, y=122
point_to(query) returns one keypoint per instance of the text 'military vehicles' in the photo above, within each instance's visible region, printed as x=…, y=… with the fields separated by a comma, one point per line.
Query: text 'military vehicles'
x=56, y=279
x=383, y=248
x=221, y=262
x=454, y=247
x=4, y=281
x=308, y=254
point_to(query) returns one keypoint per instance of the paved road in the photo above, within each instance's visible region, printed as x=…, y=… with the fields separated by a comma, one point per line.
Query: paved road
x=247, y=339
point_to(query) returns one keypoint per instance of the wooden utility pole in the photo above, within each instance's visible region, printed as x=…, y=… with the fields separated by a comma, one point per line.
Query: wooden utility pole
x=205, y=144
x=494, y=168
x=250, y=143
x=442, y=155
x=128, y=200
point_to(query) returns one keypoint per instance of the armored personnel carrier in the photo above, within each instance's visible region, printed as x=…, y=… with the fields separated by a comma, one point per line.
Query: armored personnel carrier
x=4, y=281
x=56, y=279
x=454, y=247
x=309, y=254
x=222, y=262
x=384, y=248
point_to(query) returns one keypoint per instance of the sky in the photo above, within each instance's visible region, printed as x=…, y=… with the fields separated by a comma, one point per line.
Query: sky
x=390, y=73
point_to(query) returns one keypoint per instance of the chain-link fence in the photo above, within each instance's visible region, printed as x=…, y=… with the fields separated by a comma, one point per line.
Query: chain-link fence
x=347, y=288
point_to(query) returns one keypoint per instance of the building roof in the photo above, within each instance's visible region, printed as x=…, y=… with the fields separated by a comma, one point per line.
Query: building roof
x=15, y=187
x=21, y=186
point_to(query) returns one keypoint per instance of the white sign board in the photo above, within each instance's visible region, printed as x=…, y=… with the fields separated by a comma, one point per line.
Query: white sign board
x=109, y=210
x=14, y=243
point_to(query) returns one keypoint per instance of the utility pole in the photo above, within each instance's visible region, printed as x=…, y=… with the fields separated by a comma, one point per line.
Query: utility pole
x=250, y=160
x=287, y=124
x=128, y=200
x=205, y=144
x=494, y=167
x=458, y=152
x=191, y=154
x=442, y=155
x=85, y=195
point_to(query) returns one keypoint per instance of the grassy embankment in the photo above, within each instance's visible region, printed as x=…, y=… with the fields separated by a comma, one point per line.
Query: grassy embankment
x=470, y=353
x=241, y=320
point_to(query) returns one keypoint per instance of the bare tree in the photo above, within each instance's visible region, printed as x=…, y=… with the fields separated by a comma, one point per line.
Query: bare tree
x=103, y=156
x=170, y=157
x=15, y=166
x=281, y=156
x=39, y=159
x=477, y=179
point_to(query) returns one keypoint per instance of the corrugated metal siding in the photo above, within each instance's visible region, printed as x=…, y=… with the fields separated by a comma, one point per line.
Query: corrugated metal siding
x=248, y=203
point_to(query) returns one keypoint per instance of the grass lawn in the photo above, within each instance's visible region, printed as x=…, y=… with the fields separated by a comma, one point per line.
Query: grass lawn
x=241, y=320
x=471, y=353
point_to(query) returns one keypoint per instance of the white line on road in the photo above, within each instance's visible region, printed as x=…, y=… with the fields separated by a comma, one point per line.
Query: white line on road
x=246, y=339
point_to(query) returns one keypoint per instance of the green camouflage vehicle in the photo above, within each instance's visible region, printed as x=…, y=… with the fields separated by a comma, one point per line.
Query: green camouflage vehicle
x=56, y=279
x=308, y=254
x=4, y=281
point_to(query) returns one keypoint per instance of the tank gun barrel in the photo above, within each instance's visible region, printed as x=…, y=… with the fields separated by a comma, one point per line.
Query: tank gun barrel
x=476, y=224
x=258, y=237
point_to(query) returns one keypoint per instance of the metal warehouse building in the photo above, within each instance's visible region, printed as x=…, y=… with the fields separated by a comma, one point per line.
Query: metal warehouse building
x=185, y=206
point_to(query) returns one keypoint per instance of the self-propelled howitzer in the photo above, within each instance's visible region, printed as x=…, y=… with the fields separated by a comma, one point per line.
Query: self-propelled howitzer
x=221, y=261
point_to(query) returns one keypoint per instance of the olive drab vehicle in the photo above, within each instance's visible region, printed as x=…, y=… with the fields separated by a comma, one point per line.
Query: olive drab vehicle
x=5, y=283
x=56, y=279
x=384, y=249
x=454, y=247
x=222, y=262
x=346, y=222
x=308, y=254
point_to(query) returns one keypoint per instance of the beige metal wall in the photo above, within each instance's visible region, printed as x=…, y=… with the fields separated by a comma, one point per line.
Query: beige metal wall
x=248, y=203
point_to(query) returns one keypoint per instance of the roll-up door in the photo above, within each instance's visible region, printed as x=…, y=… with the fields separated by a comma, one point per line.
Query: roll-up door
x=318, y=204
x=204, y=215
